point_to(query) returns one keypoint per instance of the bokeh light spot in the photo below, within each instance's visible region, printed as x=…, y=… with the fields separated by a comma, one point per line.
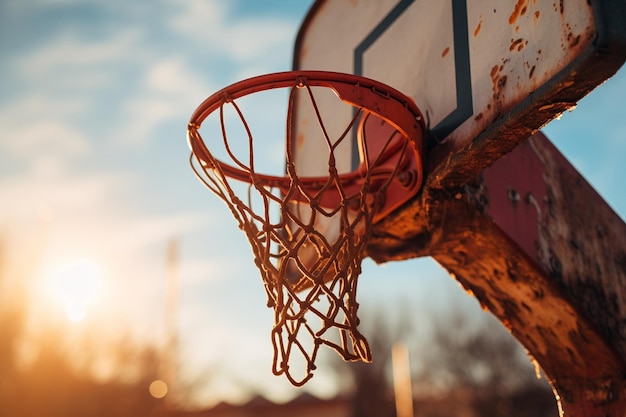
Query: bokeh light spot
x=158, y=389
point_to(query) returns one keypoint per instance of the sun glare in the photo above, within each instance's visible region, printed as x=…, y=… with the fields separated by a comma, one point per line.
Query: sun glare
x=77, y=284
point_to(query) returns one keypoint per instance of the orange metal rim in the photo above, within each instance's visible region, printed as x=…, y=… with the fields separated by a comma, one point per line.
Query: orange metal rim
x=400, y=111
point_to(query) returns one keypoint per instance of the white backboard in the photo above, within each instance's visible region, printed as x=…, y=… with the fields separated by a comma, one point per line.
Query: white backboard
x=465, y=63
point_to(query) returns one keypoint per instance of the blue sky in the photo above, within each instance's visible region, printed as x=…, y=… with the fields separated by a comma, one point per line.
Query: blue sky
x=94, y=102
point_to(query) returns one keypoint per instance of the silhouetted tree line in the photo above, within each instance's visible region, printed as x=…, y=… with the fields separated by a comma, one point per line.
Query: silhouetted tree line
x=466, y=363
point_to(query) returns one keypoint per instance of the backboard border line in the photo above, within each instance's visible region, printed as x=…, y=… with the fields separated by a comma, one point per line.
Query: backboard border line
x=463, y=75
x=359, y=51
x=462, y=69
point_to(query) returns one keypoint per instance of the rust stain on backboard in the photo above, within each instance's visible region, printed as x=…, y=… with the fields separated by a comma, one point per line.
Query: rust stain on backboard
x=517, y=44
x=494, y=71
x=558, y=8
x=570, y=38
x=498, y=82
x=520, y=9
x=478, y=27
x=300, y=140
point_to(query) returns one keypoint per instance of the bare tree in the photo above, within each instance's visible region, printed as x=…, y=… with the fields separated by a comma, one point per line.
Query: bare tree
x=369, y=384
x=479, y=356
x=467, y=352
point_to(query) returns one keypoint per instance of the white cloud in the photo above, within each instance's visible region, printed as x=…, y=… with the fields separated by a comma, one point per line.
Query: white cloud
x=210, y=25
x=69, y=52
x=87, y=210
x=169, y=76
x=64, y=193
x=37, y=105
x=64, y=80
x=197, y=18
x=252, y=39
x=170, y=91
x=36, y=130
x=47, y=139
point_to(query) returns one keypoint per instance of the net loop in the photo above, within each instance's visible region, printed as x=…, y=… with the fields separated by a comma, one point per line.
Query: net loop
x=309, y=234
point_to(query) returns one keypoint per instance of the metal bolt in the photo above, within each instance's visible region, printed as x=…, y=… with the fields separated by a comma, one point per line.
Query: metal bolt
x=406, y=178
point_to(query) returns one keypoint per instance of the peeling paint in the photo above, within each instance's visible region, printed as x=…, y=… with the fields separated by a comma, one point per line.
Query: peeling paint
x=498, y=82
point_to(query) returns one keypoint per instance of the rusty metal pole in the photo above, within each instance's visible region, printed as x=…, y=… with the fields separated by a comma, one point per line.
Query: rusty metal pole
x=541, y=250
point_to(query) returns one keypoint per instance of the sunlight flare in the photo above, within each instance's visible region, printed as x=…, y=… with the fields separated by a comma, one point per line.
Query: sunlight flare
x=77, y=284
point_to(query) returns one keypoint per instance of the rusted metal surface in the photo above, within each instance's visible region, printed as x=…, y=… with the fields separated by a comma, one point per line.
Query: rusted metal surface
x=541, y=250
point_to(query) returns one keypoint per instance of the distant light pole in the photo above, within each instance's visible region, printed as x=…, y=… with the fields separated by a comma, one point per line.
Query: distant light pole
x=402, y=380
x=172, y=290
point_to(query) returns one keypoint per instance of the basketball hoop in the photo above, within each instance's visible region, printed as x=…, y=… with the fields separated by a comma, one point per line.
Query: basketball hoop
x=310, y=269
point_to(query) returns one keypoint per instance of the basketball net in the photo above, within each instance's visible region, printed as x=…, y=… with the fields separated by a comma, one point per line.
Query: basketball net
x=310, y=275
